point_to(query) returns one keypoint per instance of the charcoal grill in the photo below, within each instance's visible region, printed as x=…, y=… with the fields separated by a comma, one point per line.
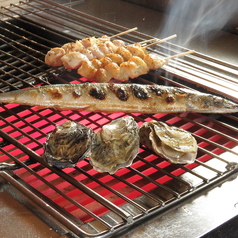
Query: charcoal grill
x=80, y=201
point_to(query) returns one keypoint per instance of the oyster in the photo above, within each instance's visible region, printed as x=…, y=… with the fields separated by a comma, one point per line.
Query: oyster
x=68, y=144
x=116, y=145
x=172, y=143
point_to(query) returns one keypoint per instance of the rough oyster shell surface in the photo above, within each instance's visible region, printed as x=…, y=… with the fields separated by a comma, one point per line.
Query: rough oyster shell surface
x=172, y=143
x=116, y=145
x=67, y=144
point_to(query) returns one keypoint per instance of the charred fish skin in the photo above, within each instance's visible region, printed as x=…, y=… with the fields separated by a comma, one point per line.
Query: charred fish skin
x=112, y=97
x=115, y=145
x=68, y=144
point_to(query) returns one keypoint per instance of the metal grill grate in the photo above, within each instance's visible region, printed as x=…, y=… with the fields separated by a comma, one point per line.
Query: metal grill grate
x=85, y=201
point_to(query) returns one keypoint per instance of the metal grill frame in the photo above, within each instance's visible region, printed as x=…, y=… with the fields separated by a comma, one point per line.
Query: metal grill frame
x=151, y=185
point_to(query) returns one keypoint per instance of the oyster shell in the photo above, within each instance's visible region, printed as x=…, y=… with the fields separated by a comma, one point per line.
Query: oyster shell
x=172, y=143
x=116, y=145
x=68, y=144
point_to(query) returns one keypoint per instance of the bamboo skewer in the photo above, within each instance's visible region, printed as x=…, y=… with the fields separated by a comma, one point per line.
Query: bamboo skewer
x=124, y=32
x=145, y=41
x=160, y=41
x=148, y=41
x=156, y=41
x=179, y=55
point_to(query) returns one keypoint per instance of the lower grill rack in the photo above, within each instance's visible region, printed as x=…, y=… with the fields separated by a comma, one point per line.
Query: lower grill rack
x=87, y=202
x=99, y=203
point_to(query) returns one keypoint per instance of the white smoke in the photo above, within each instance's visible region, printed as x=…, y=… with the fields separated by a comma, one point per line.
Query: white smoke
x=193, y=18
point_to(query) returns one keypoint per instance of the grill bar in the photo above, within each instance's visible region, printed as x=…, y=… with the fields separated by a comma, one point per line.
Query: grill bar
x=40, y=202
x=55, y=189
x=77, y=184
x=113, y=190
x=85, y=201
x=156, y=199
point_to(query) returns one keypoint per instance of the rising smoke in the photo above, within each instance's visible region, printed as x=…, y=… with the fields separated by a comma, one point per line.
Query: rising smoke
x=197, y=18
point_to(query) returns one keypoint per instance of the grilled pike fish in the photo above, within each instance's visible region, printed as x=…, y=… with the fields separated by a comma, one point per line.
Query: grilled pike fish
x=110, y=97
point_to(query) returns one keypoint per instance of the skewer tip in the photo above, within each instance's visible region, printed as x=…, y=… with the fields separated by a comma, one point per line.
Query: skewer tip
x=124, y=32
x=157, y=41
x=180, y=54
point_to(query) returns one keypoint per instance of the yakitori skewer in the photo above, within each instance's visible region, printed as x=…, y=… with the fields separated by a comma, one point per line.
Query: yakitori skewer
x=101, y=59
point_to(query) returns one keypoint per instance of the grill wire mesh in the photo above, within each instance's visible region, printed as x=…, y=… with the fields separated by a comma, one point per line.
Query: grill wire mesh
x=92, y=203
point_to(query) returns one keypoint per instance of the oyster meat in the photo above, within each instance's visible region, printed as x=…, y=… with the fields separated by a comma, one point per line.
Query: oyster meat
x=68, y=144
x=172, y=143
x=115, y=145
